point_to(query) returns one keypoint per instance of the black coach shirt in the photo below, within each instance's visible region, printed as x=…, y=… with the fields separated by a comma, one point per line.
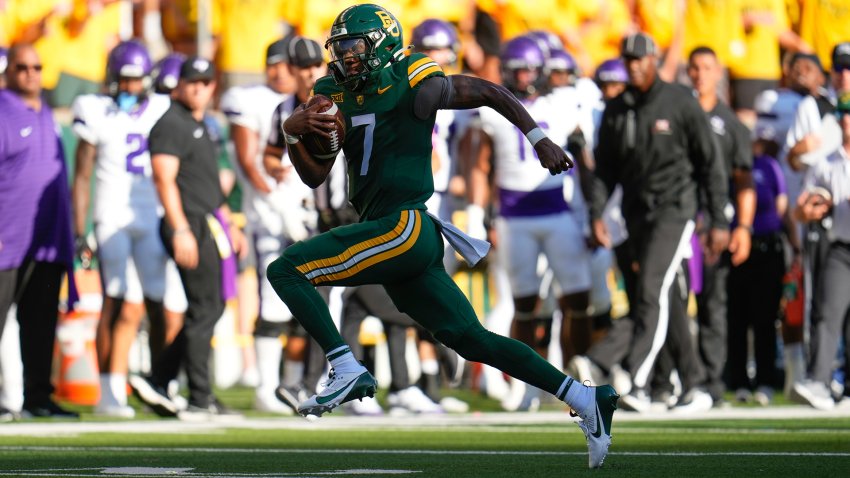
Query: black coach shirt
x=178, y=133
x=659, y=146
x=734, y=138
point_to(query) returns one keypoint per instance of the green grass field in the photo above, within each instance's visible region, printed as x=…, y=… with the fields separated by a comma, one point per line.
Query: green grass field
x=782, y=441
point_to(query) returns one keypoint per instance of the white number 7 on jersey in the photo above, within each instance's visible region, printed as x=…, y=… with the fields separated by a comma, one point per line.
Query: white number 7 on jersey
x=369, y=121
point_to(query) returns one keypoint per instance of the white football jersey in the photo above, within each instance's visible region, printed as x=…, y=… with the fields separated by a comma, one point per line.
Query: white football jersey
x=440, y=142
x=516, y=165
x=252, y=107
x=123, y=181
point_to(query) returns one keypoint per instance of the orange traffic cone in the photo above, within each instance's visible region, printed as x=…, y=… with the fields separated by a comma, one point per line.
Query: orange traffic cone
x=76, y=376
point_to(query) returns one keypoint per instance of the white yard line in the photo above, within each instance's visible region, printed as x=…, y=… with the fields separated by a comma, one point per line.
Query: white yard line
x=459, y=423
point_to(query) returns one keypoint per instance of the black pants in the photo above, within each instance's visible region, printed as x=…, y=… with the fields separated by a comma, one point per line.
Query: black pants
x=679, y=351
x=755, y=289
x=657, y=247
x=192, y=346
x=833, y=299
x=373, y=300
x=34, y=286
x=712, y=319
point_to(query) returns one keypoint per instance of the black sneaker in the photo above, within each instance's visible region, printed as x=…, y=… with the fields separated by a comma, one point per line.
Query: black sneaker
x=47, y=409
x=292, y=396
x=154, y=396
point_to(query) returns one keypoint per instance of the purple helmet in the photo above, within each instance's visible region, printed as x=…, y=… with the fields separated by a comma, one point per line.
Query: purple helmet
x=434, y=34
x=611, y=71
x=166, y=73
x=129, y=59
x=547, y=41
x=523, y=53
x=561, y=60
x=4, y=60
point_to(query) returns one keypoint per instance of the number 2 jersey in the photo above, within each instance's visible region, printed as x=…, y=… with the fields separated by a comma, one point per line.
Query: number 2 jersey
x=387, y=147
x=124, y=188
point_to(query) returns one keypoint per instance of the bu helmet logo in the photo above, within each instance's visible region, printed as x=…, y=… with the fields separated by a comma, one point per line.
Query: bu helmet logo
x=390, y=24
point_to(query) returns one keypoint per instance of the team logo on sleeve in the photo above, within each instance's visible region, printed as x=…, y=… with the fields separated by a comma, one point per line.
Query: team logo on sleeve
x=662, y=126
x=337, y=97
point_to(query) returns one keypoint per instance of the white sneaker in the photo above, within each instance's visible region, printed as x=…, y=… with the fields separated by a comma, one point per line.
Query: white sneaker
x=763, y=396
x=621, y=380
x=413, y=399
x=268, y=402
x=582, y=369
x=340, y=388
x=814, y=394
x=694, y=401
x=114, y=411
x=368, y=406
x=636, y=401
x=596, y=422
x=454, y=405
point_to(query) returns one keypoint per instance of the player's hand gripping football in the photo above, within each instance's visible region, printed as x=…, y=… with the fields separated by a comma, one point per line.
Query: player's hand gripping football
x=304, y=120
x=553, y=157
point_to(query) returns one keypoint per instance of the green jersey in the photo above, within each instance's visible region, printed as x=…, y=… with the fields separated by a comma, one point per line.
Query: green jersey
x=388, y=149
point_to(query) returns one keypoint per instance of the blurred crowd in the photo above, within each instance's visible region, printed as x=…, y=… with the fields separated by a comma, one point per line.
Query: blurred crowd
x=747, y=297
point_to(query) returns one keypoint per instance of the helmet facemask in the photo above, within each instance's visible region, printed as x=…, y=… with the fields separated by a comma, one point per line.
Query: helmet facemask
x=357, y=53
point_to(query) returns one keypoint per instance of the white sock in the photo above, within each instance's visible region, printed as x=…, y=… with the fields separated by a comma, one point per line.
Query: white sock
x=430, y=367
x=118, y=386
x=106, y=396
x=293, y=372
x=577, y=395
x=342, y=360
x=269, y=351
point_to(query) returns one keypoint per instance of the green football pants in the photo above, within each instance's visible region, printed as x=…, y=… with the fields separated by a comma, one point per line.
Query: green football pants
x=404, y=253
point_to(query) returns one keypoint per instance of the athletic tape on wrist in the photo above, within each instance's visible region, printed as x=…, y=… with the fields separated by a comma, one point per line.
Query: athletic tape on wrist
x=535, y=135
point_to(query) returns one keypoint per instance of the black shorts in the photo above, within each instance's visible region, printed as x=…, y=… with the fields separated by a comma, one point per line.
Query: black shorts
x=745, y=90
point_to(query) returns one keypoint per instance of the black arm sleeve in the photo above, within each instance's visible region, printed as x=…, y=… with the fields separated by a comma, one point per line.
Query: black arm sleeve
x=600, y=182
x=435, y=93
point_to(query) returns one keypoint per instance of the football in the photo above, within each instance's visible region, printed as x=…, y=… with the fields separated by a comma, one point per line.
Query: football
x=319, y=146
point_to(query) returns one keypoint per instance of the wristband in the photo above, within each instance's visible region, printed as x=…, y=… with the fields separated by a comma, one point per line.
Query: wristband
x=535, y=135
x=748, y=228
x=288, y=137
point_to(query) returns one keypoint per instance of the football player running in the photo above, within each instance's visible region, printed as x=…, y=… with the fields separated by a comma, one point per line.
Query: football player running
x=534, y=216
x=390, y=100
x=113, y=130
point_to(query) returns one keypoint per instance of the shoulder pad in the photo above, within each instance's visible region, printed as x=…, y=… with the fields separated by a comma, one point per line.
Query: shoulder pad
x=419, y=67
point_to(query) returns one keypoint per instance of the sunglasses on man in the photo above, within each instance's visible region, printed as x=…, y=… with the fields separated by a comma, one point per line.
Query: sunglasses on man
x=20, y=67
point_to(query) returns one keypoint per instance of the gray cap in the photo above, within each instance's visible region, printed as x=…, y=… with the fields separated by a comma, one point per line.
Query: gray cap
x=277, y=52
x=304, y=52
x=638, y=45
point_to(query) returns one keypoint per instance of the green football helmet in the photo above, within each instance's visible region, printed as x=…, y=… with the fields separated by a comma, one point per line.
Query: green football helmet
x=364, y=39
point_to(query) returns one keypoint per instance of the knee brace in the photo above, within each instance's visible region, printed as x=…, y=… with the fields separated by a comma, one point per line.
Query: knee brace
x=265, y=328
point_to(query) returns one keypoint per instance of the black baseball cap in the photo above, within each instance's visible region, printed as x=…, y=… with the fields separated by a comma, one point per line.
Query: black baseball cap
x=278, y=51
x=637, y=45
x=304, y=52
x=196, y=68
x=806, y=56
x=841, y=56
